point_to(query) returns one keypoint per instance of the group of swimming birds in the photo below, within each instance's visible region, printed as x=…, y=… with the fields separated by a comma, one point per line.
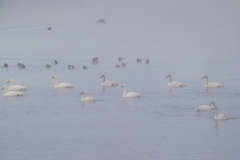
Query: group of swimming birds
x=13, y=90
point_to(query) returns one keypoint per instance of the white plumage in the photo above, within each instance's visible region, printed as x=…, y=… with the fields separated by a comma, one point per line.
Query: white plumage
x=212, y=84
x=86, y=99
x=174, y=84
x=129, y=94
x=205, y=107
x=107, y=83
x=15, y=87
x=11, y=93
x=220, y=116
x=61, y=85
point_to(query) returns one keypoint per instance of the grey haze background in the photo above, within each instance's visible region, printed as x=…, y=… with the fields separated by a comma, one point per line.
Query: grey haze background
x=188, y=39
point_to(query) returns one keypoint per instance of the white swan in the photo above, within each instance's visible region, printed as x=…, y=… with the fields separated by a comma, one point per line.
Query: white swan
x=86, y=99
x=107, y=83
x=220, y=116
x=174, y=84
x=212, y=84
x=129, y=94
x=61, y=85
x=205, y=107
x=15, y=87
x=11, y=93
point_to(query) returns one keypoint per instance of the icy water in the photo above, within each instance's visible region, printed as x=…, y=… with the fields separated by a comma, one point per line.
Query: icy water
x=187, y=39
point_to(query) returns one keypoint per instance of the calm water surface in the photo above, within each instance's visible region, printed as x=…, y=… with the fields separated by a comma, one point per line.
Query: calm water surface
x=187, y=40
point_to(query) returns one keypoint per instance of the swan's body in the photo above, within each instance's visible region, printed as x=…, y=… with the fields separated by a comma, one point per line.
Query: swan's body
x=15, y=87
x=129, y=94
x=107, y=83
x=61, y=85
x=212, y=84
x=11, y=93
x=205, y=107
x=220, y=116
x=174, y=84
x=86, y=99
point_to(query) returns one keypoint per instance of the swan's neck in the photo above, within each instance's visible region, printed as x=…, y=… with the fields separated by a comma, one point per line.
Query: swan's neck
x=11, y=84
x=216, y=114
x=56, y=82
x=170, y=79
x=210, y=104
x=6, y=90
x=103, y=80
x=124, y=92
x=206, y=83
x=83, y=97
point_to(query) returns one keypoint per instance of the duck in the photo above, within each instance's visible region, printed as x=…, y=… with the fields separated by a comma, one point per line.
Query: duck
x=174, y=84
x=49, y=28
x=5, y=65
x=129, y=94
x=101, y=21
x=55, y=62
x=147, y=61
x=86, y=99
x=107, y=83
x=117, y=65
x=220, y=116
x=20, y=65
x=123, y=64
x=48, y=66
x=84, y=67
x=95, y=62
x=95, y=59
x=139, y=60
x=70, y=66
x=206, y=107
x=212, y=84
x=120, y=59
x=11, y=93
x=61, y=85
x=15, y=87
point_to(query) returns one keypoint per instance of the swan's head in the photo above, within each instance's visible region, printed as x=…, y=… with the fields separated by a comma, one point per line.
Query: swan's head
x=4, y=87
x=213, y=103
x=102, y=76
x=205, y=77
x=123, y=86
x=82, y=93
x=55, y=77
x=10, y=80
x=168, y=76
